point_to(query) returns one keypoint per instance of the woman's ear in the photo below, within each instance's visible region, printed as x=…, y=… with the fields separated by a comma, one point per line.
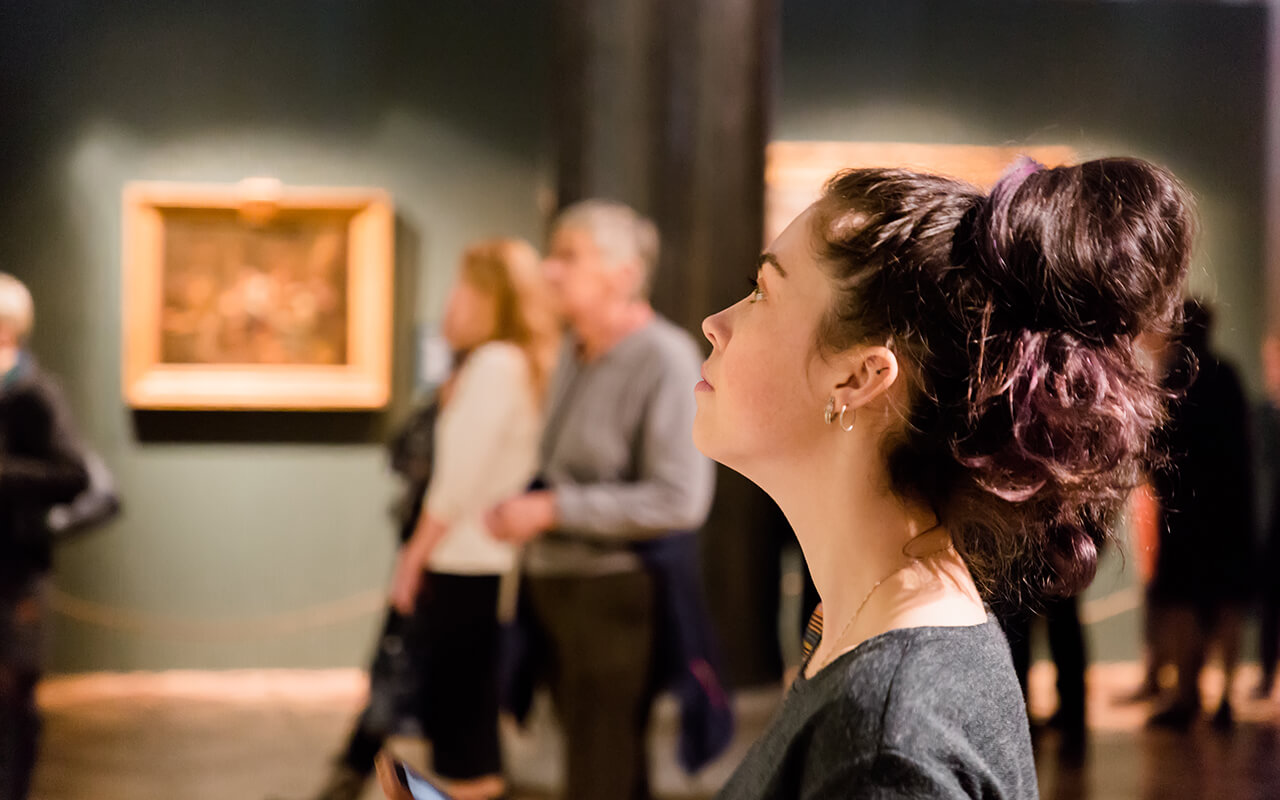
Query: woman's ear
x=869, y=372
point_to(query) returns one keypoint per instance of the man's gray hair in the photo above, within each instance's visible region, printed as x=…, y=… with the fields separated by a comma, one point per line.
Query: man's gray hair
x=622, y=234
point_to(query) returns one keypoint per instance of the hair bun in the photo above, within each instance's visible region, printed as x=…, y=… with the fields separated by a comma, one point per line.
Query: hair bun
x=1016, y=313
x=1088, y=249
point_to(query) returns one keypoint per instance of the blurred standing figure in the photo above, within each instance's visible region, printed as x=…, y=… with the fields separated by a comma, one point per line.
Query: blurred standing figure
x=40, y=467
x=1203, y=575
x=1269, y=483
x=1070, y=658
x=393, y=683
x=499, y=321
x=622, y=475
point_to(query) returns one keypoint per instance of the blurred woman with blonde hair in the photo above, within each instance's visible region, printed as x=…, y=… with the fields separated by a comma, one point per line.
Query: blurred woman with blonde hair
x=500, y=323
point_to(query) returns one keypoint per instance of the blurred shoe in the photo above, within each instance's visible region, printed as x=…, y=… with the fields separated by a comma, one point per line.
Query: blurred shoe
x=1177, y=717
x=1224, y=719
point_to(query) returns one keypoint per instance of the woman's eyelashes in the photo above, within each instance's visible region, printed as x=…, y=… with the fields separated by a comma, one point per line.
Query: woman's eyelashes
x=756, y=294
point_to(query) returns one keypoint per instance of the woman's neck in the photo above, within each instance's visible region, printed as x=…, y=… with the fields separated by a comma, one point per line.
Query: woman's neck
x=601, y=332
x=855, y=534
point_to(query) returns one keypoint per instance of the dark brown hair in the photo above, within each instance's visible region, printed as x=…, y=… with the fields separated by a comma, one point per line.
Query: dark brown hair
x=1015, y=316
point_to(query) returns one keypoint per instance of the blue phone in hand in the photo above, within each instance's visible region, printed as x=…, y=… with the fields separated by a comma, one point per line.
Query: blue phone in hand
x=419, y=787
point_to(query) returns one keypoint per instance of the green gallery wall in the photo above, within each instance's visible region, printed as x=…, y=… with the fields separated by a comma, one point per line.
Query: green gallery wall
x=250, y=517
x=1181, y=84
x=254, y=517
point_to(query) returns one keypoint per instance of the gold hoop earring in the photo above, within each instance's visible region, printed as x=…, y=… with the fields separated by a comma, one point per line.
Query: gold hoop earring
x=850, y=426
x=829, y=413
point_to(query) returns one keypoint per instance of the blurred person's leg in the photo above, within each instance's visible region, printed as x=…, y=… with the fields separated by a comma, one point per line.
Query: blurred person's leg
x=458, y=618
x=378, y=718
x=1181, y=629
x=362, y=748
x=1067, y=645
x=1269, y=639
x=1154, y=652
x=21, y=657
x=19, y=733
x=1227, y=633
x=1269, y=616
x=355, y=765
x=601, y=634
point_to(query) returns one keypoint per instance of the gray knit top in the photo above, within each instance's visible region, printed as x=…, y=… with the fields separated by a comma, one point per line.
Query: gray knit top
x=932, y=712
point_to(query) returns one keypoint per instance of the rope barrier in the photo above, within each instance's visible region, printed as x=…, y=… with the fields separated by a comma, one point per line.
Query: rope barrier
x=322, y=615
x=353, y=607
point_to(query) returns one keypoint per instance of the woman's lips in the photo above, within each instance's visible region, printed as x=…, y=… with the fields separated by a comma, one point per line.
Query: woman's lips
x=704, y=385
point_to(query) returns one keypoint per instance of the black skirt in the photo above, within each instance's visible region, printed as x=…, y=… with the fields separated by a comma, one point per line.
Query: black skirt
x=457, y=620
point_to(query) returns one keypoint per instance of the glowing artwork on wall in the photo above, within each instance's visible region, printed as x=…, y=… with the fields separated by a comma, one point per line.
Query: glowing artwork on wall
x=795, y=171
x=256, y=296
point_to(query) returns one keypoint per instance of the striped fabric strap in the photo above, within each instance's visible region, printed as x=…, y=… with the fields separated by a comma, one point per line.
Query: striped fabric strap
x=812, y=634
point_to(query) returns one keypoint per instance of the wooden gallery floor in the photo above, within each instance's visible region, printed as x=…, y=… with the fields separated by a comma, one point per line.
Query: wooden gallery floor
x=254, y=735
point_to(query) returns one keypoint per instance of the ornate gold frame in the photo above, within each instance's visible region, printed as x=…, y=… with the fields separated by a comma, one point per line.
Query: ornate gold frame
x=362, y=383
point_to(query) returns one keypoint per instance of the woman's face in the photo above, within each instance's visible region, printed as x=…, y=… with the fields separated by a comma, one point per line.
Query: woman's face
x=470, y=316
x=766, y=385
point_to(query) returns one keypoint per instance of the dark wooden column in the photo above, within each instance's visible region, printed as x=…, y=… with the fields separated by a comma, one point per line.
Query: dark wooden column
x=1272, y=251
x=664, y=104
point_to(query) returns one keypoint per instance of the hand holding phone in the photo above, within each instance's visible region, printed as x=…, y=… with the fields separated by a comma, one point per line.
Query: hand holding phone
x=400, y=782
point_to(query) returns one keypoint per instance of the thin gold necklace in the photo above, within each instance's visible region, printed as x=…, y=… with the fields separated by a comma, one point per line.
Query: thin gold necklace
x=833, y=653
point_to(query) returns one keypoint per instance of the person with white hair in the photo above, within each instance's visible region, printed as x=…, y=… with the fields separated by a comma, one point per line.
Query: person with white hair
x=624, y=489
x=40, y=467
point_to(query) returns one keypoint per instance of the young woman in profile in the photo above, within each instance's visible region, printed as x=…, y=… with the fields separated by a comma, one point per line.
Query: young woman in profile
x=941, y=390
x=500, y=323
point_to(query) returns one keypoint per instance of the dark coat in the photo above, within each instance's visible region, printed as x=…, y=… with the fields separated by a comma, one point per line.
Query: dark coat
x=412, y=452
x=40, y=467
x=1206, y=493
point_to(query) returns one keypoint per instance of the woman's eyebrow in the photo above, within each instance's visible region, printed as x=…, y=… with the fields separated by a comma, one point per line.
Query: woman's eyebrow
x=770, y=258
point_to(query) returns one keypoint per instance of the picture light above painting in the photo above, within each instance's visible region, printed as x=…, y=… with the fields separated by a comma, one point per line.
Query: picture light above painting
x=257, y=295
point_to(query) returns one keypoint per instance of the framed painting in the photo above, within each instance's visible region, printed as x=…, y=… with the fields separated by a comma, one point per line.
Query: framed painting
x=795, y=171
x=257, y=296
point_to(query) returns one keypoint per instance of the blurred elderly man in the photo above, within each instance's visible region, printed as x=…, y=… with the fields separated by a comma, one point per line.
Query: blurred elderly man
x=621, y=474
x=40, y=467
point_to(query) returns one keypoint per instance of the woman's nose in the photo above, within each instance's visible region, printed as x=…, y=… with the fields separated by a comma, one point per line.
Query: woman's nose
x=713, y=327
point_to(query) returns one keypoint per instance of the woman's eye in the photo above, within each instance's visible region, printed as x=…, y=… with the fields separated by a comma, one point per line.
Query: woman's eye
x=757, y=294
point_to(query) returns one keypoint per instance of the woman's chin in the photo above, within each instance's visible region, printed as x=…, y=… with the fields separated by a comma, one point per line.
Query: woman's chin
x=700, y=438
x=712, y=447
x=704, y=440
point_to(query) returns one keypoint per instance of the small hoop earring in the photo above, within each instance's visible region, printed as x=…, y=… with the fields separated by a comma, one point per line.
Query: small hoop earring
x=829, y=413
x=843, y=427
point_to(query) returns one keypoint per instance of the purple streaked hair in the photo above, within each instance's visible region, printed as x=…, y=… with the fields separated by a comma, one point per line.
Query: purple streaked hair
x=1014, y=315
